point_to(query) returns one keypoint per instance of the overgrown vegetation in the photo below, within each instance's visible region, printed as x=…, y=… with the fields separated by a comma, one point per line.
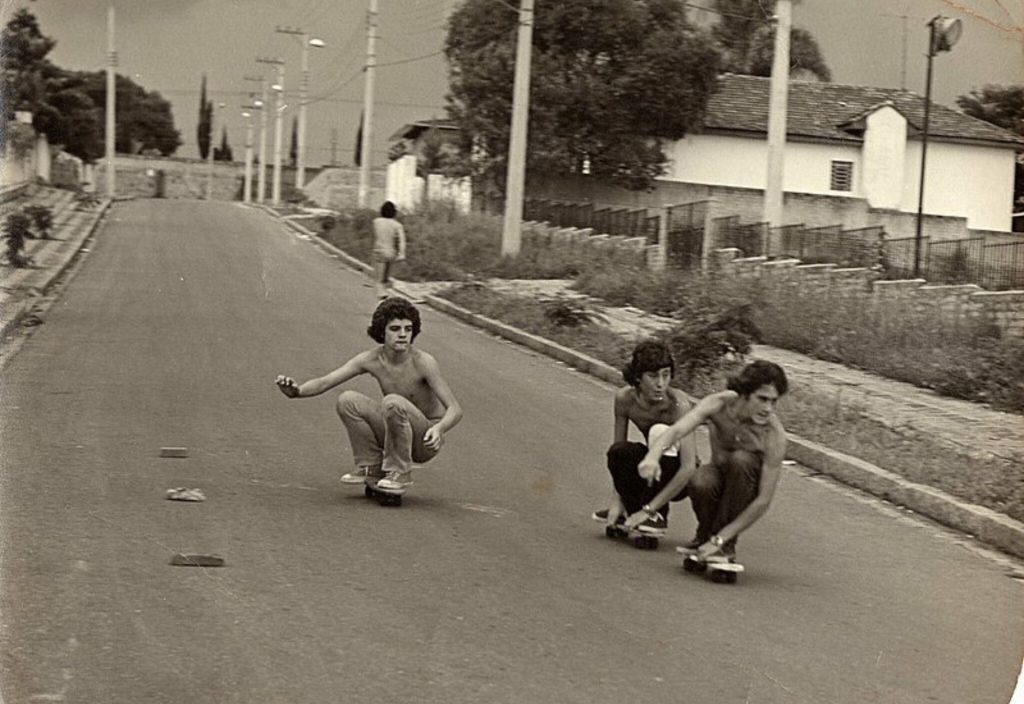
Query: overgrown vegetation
x=42, y=219
x=710, y=346
x=17, y=228
x=912, y=344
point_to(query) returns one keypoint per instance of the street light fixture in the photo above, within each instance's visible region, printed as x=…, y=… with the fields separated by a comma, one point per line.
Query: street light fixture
x=307, y=41
x=943, y=35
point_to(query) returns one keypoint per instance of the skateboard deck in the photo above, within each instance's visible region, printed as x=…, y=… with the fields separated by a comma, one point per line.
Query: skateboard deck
x=718, y=568
x=641, y=541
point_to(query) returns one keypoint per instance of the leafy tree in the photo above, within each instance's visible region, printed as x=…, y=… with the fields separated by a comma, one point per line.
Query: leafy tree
x=204, y=127
x=1002, y=106
x=24, y=61
x=745, y=34
x=357, y=158
x=144, y=120
x=17, y=228
x=609, y=80
x=433, y=156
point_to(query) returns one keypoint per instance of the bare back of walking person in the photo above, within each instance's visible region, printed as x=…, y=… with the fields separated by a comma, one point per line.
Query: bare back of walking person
x=748, y=443
x=417, y=410
x=651, y=405
x=388, y=246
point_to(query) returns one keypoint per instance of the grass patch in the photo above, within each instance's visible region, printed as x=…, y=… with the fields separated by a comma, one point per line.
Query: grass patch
x=835, y=423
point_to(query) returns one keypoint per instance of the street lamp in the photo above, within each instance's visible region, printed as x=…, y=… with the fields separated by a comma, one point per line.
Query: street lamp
x=300, y=166
x=247, y=191
x=944, y=33
x=209, y=154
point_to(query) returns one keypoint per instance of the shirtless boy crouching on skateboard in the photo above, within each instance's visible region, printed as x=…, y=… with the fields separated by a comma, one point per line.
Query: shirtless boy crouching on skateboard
x=652, y=405
x=418, y=408
x=748, y=444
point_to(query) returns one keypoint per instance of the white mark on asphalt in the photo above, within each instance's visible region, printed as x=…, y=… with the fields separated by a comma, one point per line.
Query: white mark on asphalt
x=272, y=485
x=489, y=510
x=775, y=681
x=879, y=658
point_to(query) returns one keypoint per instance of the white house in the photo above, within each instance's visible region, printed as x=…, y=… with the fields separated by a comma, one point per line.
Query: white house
x=854, y=142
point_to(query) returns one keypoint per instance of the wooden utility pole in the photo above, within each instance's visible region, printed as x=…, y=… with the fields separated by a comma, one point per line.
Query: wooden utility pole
x=366, y=145
x=111, y=126
x=511, y=235
x=773, y=195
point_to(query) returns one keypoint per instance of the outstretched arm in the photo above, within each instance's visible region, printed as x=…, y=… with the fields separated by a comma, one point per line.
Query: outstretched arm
x=314, y=387
x=434, y=436
x=687, y=468
x=650, y=466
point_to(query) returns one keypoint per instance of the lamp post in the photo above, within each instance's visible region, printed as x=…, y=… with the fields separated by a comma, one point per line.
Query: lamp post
x=209, y=154
x=307, y=41
x=943, y=33
x=279, y=106
x=261, y=190
x=247, y=190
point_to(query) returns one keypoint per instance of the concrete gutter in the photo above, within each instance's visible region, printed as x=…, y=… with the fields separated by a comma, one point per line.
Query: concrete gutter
x=995, y=529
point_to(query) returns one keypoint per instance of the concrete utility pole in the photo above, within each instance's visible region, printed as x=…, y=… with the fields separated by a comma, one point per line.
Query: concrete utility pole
x=300, y=165
x=261, y=189
x=367, y=141
x=111, y=127
x=511, y=235
x=773, y=196
x=247, y=190
x=209, y=155
x=279, y=106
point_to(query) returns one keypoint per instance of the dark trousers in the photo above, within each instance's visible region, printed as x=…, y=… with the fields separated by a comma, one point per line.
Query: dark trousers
x=623, y=460
x=721, y=491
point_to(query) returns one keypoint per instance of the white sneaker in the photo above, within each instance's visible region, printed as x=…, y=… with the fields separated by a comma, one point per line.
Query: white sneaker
x=357, y=477
x=395, y=482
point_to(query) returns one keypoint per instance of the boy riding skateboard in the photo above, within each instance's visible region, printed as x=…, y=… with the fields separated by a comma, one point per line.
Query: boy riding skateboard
x=652, y=405
x=418, y=408
x=748, y=444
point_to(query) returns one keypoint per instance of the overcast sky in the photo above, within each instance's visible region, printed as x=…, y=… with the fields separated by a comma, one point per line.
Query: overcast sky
x=167, y=45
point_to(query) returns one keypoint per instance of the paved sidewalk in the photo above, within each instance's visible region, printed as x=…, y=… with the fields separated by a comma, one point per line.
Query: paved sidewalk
x=968, y=427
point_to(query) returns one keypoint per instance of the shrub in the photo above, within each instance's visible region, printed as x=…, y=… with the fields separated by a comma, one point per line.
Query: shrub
x=16, y=230
x=42, y=218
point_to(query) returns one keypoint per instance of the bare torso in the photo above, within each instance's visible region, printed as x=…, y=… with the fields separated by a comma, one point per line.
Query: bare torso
x=405, y=376
x=727, y=434
x=643, y=416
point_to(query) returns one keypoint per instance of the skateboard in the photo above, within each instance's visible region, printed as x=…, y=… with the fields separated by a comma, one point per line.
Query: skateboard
x=718, y=568
x=384, y=498
x=641, y=541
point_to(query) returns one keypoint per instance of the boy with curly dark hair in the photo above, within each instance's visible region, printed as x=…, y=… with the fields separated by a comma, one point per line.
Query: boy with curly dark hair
x=651, y=404
x=418, y=408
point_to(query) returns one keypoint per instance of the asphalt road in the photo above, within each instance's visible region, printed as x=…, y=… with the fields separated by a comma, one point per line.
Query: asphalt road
x=490, y=584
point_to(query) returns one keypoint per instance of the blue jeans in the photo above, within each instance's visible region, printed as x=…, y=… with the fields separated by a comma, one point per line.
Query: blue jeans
x=387, y=433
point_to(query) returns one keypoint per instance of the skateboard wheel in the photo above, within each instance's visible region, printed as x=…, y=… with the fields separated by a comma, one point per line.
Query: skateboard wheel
x=693, y=566
x=646, y=542
x=723, y=577
x=368, y=491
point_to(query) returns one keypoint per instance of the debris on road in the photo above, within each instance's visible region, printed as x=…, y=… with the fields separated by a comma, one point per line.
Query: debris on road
x=174, y=452
x=182, y=560
x=185, y=494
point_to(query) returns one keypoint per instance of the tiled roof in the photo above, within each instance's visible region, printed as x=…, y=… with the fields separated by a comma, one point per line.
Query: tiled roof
x=412, y=130
x=820, y=110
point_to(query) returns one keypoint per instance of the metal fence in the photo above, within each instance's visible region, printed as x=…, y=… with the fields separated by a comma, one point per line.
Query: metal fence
x=611, y=220
x=685, y=234
x=996, y=267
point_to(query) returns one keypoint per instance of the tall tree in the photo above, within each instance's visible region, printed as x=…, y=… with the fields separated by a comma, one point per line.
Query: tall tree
x=204, y=127
x=357, y=158
x=1002, y=106
x=24, y=61
x=745, y=34
x=610, y=79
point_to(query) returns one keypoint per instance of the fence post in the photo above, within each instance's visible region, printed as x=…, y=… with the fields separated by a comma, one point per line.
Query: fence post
x=706, y=239
x=663, y=218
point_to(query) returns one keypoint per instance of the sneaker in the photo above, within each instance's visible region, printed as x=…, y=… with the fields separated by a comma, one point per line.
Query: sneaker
x=655, y=525
x=694, y=542
x=395, y=481
x=602, y=517
x=357, y=477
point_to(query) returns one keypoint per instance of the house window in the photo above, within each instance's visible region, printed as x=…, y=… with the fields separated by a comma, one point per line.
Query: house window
x=842, y=176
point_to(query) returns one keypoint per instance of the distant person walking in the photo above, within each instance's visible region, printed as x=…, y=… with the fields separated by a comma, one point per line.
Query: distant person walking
x=388, y=246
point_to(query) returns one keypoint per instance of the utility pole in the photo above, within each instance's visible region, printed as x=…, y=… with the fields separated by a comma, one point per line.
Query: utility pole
x=209, y=155
x=111, y=126
x=367, y=142
x=279, y=106
x=300, y=165
x=511, y=235
x=247, y=190
x=773, y=196
x=334, y=146
x=261, y=189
